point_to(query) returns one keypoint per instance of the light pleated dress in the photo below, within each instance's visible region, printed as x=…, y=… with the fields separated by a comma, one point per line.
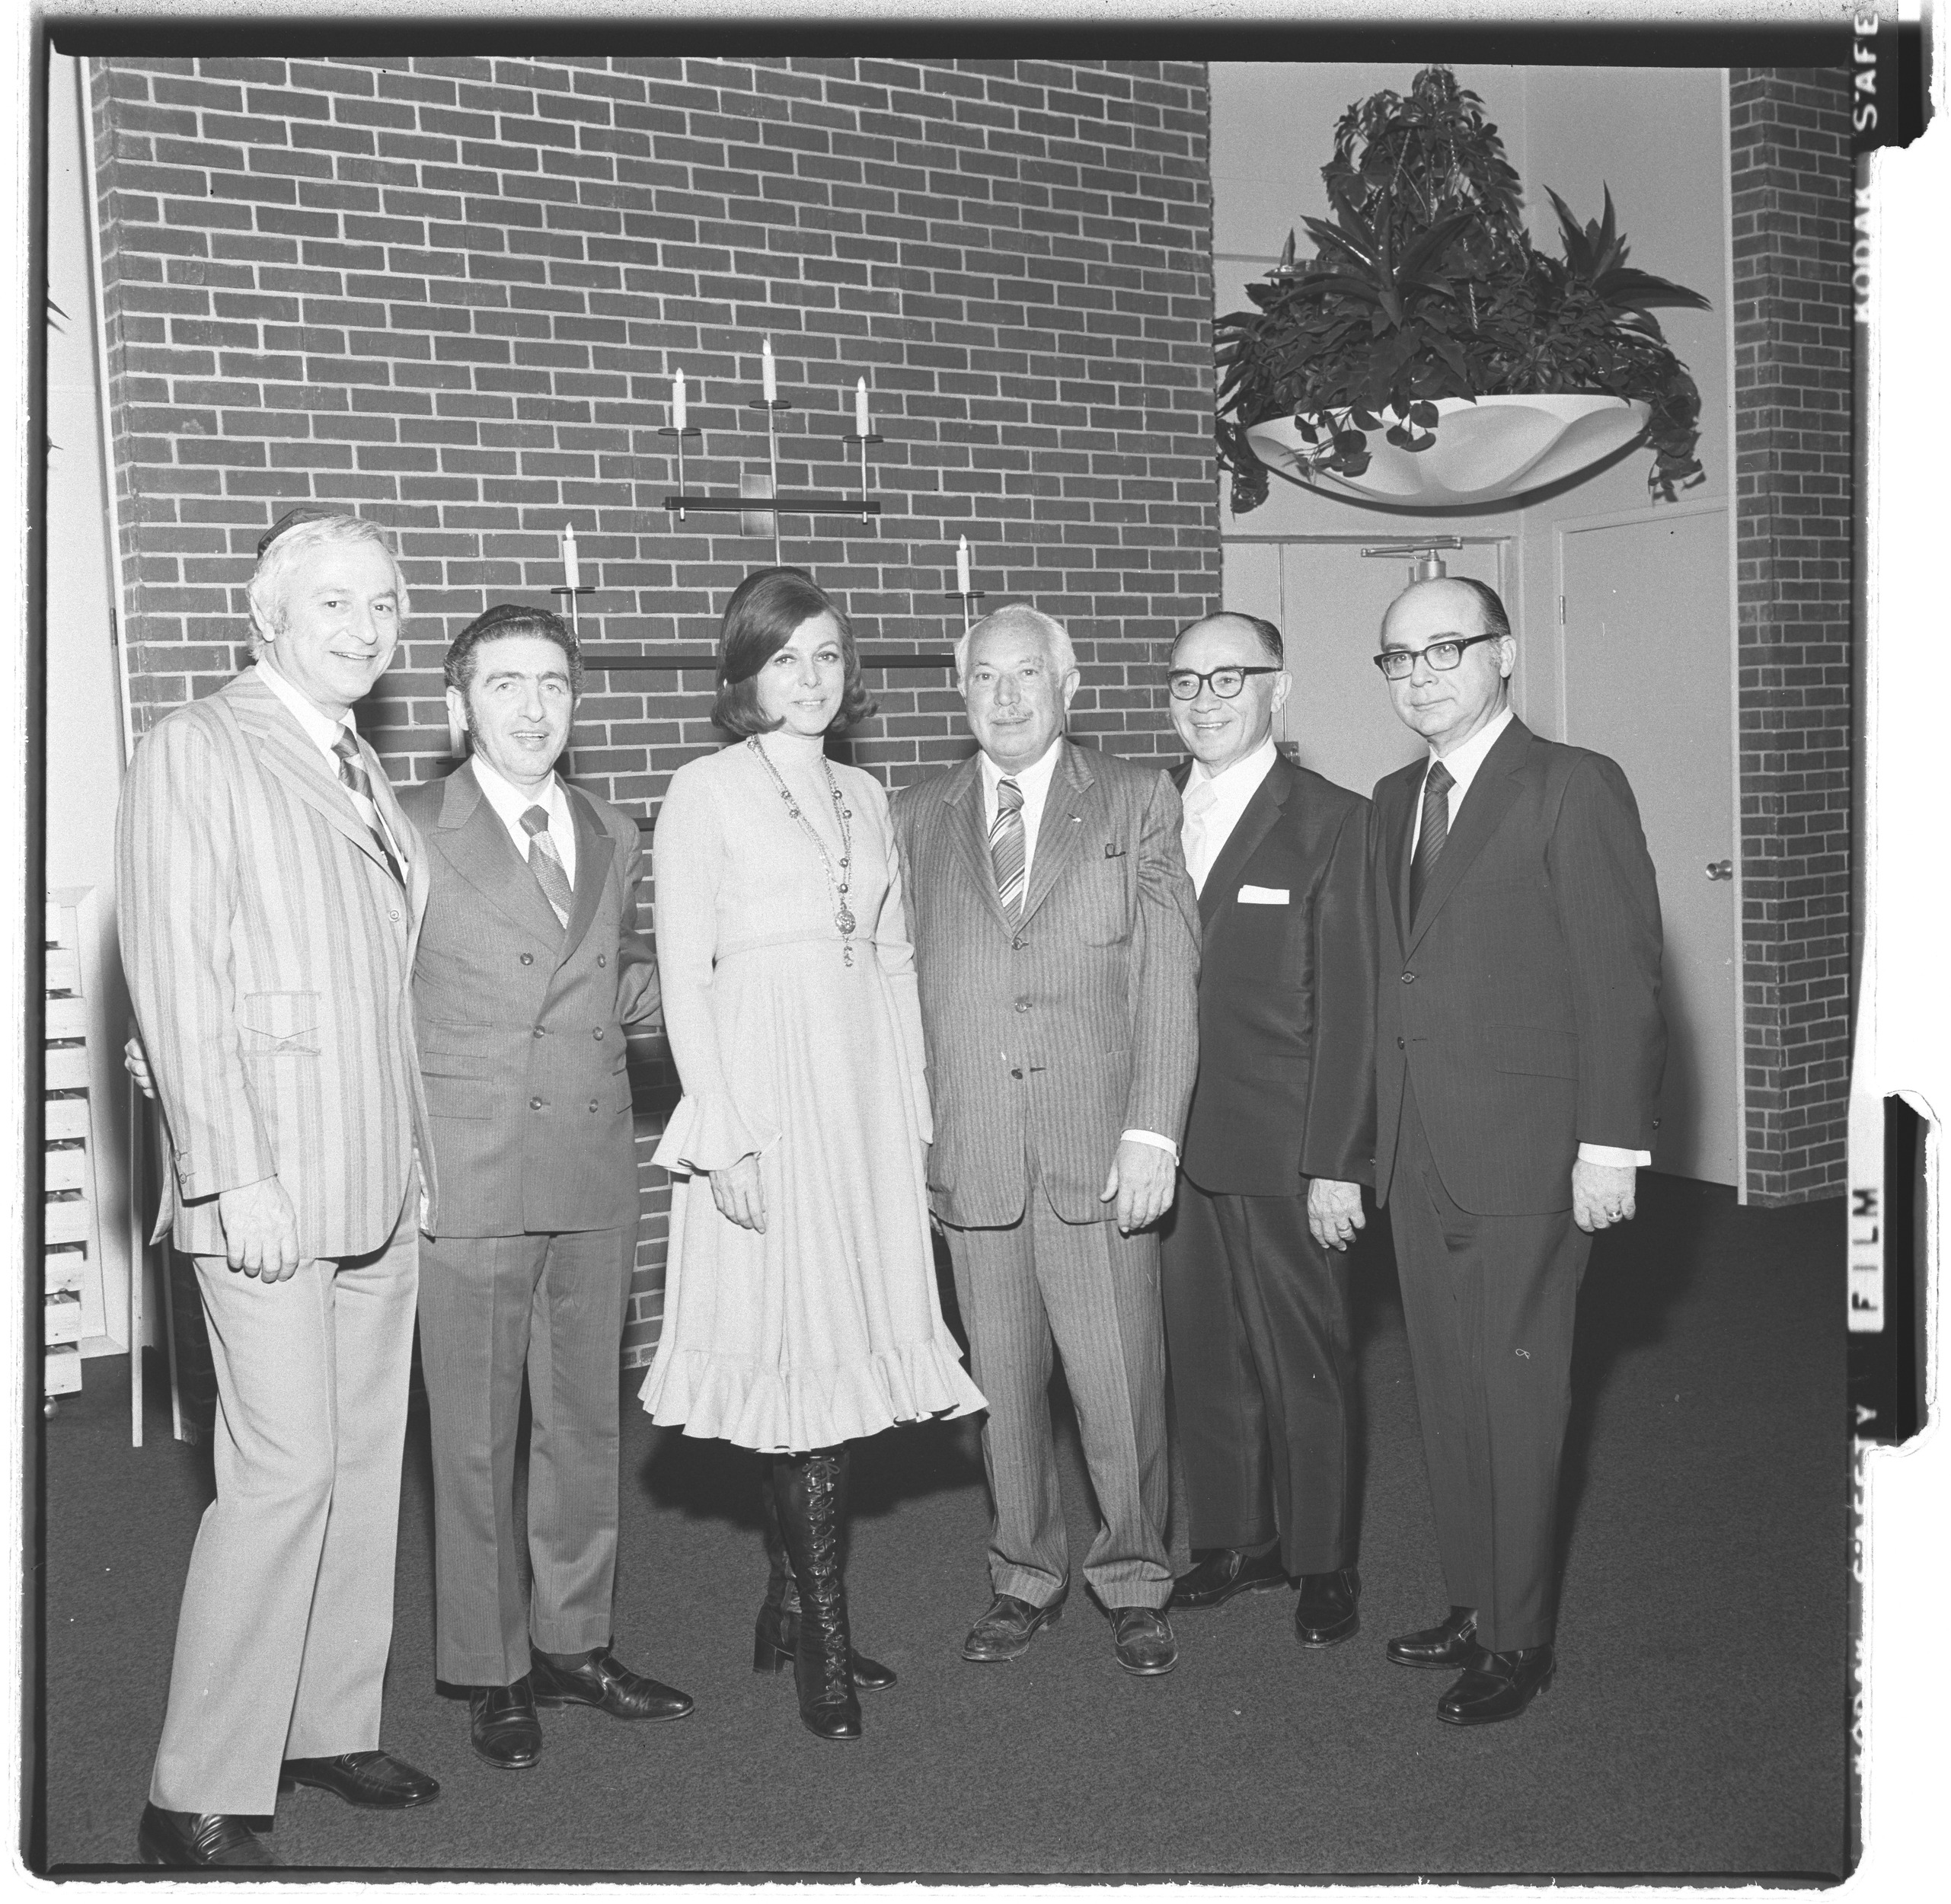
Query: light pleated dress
x=826, y=1327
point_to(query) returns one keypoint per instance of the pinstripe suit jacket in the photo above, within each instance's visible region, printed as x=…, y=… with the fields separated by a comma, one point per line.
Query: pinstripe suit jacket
x=522, y=1024
x=1077, y=1023
x=269, y=952
x=1523, y=998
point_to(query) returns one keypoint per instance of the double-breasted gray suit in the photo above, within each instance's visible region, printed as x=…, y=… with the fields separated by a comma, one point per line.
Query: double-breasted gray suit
x=522, y=1032
x=268, y=946
x=1046, y=1040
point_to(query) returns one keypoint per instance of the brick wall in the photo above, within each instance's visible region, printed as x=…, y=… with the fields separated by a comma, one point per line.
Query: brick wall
x=450, y=294
x=1792, y=181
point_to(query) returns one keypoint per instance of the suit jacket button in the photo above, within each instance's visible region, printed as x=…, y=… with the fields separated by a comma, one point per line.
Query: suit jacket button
x=592, y=1104
x=599, y=1035
x=603, y=959
x=1016, y=1074
x=1409, y=978
x=528, y=958
x=1401, y=1046
x=1023, y=1005
x=534, y=1103
x=394, y=917
x=1015, y=945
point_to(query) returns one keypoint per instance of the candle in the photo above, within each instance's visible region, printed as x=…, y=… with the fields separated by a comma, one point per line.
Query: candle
x=860, y=409
x=768, y=373
x=677, y=401
x=962, y=568
x=572, y=572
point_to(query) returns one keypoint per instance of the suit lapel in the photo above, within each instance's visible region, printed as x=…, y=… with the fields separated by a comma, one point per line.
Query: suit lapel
x=594, y=850
x=1395, y=800
x=968, y=829
x=470, y=836
x=1492, y=791
x=1061, y=826
x=287, y=751
x=1253, y=826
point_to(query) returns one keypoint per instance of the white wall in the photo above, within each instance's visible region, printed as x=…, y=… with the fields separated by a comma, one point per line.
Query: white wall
x=1655, y=135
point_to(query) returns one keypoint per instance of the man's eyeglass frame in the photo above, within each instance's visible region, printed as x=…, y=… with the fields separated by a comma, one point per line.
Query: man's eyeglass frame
x=1389, y=659
x=1210, y=679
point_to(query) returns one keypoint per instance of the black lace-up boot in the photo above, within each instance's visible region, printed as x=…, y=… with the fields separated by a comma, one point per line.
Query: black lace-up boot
x=807, y=1489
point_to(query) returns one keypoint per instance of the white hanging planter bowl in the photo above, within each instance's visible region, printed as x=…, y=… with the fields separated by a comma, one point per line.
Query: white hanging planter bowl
x=1487, y=451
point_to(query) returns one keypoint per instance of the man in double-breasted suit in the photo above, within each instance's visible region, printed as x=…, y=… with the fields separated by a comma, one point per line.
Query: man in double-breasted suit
x=531, y=971
x=1057, y=950
x=1519, y=1046
x=1279, y=1140
x=269, y=897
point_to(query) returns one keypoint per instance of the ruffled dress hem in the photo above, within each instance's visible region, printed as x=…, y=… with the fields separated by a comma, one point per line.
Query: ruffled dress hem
x=718, y=1397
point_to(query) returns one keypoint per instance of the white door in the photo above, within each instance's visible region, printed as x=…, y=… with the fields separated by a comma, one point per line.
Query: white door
x=1648, y=680
x=1327, y=599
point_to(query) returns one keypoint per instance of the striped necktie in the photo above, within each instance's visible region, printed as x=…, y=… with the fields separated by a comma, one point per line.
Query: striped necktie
x=1007, y=847
x=546, y=863
x=1436, y=786
x=359, y=790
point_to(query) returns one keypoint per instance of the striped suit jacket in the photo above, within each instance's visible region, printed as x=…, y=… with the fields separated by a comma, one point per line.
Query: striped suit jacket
x=1522, y=998
x=1079, y=1022
x=269, y=953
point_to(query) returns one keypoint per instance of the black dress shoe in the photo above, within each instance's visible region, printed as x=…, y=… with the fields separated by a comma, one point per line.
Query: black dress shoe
x=776, y=1639
x=1451, y=1643
x=503, y=1728
x=1144, y=1640
x=376, y=1780
x=1005, y=1630
x=1225, y=1572
x=601, y=1680
x=1325, y=1614
x=1497, y=1686
x=190, y=1840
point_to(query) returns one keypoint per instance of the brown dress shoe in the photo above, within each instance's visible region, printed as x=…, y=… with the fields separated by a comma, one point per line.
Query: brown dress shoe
x=192, y=1841
x=1450, y=1643
x=1497, y=1686
x=1005, y=1630
x=1144, y=1643
x=601, y=1680
x=374, y=1779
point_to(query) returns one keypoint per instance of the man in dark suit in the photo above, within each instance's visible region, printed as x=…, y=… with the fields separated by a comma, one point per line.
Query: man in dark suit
x=1519, y=1047
x=530, y=971
x=1280, y=1138
x=1056, y=948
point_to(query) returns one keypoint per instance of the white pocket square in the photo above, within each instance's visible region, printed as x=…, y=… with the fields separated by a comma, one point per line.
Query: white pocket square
x=1263, y=896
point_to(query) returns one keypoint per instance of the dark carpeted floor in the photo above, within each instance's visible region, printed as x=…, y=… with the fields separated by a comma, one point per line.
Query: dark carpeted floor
x=1696, y=1726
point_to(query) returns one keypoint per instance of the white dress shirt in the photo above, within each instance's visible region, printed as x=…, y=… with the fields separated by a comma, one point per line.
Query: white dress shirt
x=1232, y=789
x=323, y=732
x=1034, y=780
x=510, y=803
x=1462, y=763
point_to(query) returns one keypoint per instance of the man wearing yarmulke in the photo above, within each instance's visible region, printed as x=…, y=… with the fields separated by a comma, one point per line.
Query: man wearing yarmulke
x=530, y=972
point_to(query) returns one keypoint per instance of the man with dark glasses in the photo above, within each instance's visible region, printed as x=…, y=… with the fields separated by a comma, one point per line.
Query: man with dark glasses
x=1518, y=1047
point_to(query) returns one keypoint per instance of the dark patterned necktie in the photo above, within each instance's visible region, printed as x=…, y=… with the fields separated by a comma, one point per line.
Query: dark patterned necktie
x=546, y=863
x=1006, y=847
x=358, y=789
x=1436, y=830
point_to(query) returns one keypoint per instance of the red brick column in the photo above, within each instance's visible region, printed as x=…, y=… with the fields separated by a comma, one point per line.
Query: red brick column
x=1792, y=204
x=450, y=293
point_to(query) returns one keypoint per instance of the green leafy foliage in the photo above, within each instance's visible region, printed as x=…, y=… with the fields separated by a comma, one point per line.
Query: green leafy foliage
x=1424, y=285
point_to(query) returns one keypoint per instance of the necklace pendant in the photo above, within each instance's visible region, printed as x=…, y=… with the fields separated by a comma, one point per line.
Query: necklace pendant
x=844, y=918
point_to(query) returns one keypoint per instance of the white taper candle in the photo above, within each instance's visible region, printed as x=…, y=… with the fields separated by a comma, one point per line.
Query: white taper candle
x=571, y=571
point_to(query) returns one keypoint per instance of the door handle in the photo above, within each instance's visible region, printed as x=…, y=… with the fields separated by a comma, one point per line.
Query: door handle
x=1720, y=869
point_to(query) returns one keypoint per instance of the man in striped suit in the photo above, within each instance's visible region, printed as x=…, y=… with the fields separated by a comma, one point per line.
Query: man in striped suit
x=1056, y=942
x=269, y=899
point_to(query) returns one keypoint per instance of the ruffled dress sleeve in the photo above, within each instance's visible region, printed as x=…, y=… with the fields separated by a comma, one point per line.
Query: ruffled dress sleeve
x=688, y=857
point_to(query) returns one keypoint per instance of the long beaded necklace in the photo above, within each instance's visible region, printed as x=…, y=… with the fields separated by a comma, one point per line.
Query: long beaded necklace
x=837, y=884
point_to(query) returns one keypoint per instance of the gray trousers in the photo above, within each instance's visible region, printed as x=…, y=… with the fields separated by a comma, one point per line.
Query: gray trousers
x=1029, y=1291
x=287, y=1614
x=492, y=1307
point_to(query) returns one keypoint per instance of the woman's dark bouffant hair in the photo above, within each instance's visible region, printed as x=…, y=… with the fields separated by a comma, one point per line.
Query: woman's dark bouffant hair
x=765, y=609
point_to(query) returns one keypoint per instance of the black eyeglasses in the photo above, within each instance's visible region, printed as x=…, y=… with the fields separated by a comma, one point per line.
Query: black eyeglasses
x=1226, y=682
x=1398, y=663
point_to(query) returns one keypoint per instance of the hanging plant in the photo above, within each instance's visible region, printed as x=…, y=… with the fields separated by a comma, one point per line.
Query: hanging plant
x=1425, y=285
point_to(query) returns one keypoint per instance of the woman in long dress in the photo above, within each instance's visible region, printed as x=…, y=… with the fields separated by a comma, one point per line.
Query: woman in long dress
x=800, y=1313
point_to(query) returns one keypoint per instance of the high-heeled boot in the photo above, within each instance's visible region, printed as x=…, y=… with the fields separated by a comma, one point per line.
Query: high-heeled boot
x=807, y=1489
x=776, y=1633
